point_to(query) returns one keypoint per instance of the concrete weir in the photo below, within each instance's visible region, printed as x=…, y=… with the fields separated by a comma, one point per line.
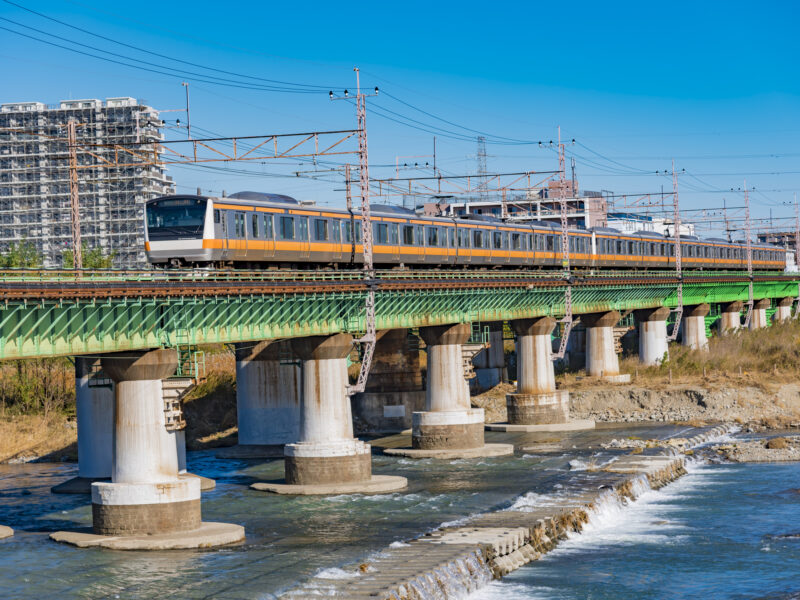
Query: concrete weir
x=449, y=427
x=146, y=498
x=452, y=562
x=601, y=354
x=267, y=400
x=537, y=405
x=327, y=459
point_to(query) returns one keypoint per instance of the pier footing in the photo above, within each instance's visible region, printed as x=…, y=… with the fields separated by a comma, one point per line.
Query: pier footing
x=207, y=535
x=5, y=532
x=377, y=484
x=576, y=425
x=485, y=451
x=83, y=485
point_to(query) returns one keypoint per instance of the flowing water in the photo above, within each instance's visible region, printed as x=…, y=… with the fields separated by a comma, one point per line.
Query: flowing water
x=292, y=540
x=723, y=531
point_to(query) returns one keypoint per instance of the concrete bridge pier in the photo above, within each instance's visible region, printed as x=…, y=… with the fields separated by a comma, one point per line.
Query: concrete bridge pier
x=758, y=319
x=449, y=427
x=326, y=458
x=783, y=312
x=489, y=364
x=693, y=327
x=652, y=324
x=537, y=405
x=394, y=389
x=146, y=505
x=95, y=420
x=730, y=318
x=267, y=400
x=601, y=354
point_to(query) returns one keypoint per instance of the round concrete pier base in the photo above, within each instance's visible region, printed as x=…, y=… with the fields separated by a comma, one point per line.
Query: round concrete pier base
x=538, y=409
x=575, y=425
x=208, y=535
x=485, y=451
x=77, y=485
x=248, y=451
x=206, y=483
x=377, y=484
x=83, y=485
x=5, y=532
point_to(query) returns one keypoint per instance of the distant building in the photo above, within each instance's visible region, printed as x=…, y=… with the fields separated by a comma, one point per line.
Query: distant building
x=34, y=177
x=633, y=222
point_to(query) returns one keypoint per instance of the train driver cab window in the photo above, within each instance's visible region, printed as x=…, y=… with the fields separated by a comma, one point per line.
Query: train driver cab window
x=516, y=241
x=321, y=230
x=408, y=235
x=381, y=233
x=267, y=221
x=254, y=224
x=433, y=236
x=286, y=228
x=216, y=215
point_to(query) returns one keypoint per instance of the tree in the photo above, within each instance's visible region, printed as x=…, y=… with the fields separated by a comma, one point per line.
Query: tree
x=92, y=259
x=21, y=255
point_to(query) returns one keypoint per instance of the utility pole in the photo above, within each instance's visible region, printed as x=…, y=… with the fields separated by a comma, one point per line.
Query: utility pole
x=749, y=256
x=74, y=202
x=369, y=336
x=482, y=170
x=434, y=155
x=796, y=233
x=348, y=195
x=188, y=121
x=676, y=225
x=562, y=197
x=725, y=218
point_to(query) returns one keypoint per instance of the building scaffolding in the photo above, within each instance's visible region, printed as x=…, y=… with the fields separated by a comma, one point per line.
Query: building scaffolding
x=34, y=177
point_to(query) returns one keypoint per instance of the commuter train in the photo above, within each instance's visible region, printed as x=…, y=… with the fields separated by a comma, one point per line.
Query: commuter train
x=251, y=230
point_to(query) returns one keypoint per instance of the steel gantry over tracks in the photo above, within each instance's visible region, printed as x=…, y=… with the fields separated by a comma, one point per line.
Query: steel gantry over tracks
x=56, y=313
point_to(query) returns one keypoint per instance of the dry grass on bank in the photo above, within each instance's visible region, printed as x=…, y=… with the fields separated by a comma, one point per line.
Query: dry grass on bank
x=747, y=358
x=210, y=408
x=37, y=435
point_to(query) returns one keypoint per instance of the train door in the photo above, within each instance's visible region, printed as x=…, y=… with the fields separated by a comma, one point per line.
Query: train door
x=336, y=239
x=302, y=237
x=394, y=242
x=223, y=232
x=268, y=228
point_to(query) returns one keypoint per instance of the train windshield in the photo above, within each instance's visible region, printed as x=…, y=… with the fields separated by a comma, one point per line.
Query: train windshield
x=176, y=219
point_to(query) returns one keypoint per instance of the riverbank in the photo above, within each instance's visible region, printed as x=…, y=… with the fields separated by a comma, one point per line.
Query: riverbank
x=776, y=449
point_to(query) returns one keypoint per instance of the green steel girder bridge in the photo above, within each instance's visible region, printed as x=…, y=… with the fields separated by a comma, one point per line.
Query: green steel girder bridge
x=59, y=313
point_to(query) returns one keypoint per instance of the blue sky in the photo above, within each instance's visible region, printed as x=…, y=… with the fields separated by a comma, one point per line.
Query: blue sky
x=714, y=85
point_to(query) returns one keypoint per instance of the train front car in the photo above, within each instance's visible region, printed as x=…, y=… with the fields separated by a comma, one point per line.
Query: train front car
x=175, y=227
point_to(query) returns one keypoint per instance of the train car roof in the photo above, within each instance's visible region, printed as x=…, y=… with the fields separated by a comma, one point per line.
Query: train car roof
x=263, y=197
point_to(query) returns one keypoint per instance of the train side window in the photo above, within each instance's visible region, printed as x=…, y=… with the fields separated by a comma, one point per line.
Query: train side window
x=497, y=238
x=357, y=228
x=394, y=234
x=505, y=241
x=477, y=238
x=433, y=236
x=381, y=233
x=321, y=230
x=216, y=215
x=286, y=228
x=254, y=224
x=408, y=235
x=516, y=241
x=451, y=237
x=238, y=225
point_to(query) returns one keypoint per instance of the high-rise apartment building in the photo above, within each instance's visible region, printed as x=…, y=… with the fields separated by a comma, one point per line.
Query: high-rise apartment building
x=34, y=176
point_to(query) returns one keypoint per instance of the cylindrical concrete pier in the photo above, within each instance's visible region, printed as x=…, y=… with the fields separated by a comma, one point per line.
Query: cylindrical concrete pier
x=145, y=495
x=537, y=402
x=693, y=327
x=783, y=311
x=267, y=400
x=758, y=318
x=730, y=318
x=652, y=324
x=448, y=421
x=490, y=363
x=601, y=355
x=326, y=451
x=94, y=407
